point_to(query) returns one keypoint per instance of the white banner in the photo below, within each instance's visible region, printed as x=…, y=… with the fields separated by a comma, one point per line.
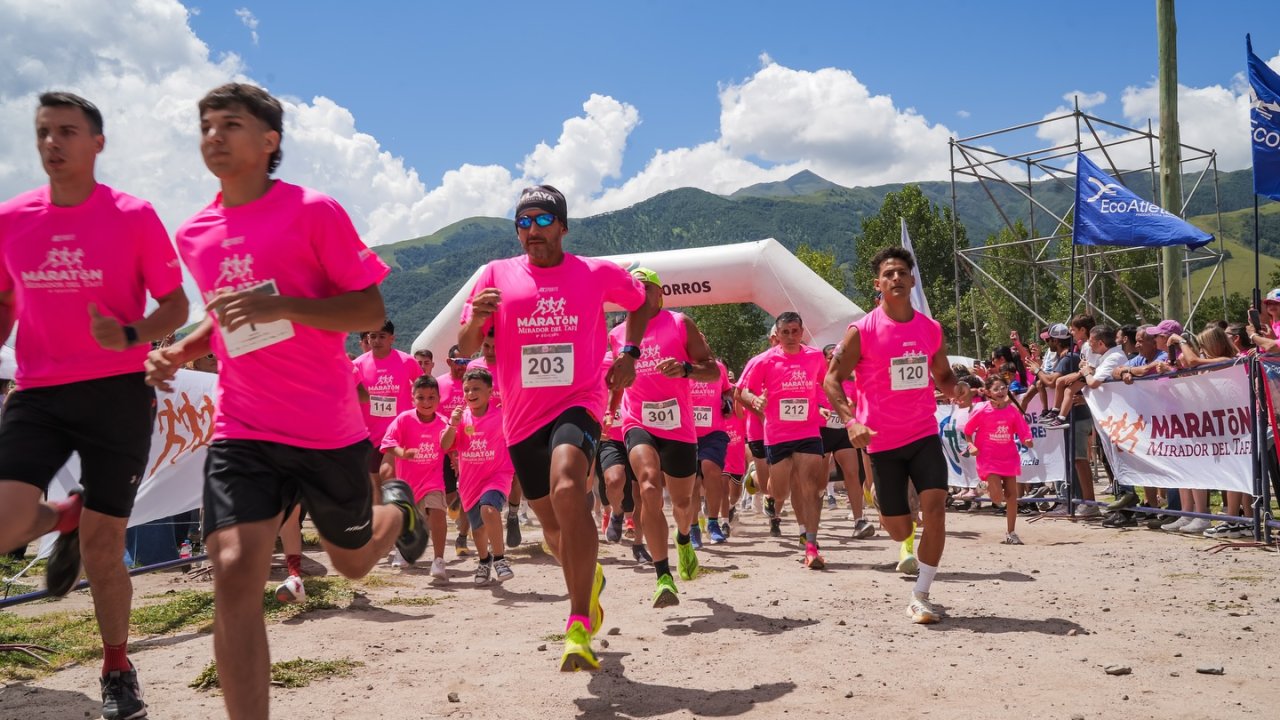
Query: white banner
x=1183, y=432
x=1044, y=463
x=175, y=471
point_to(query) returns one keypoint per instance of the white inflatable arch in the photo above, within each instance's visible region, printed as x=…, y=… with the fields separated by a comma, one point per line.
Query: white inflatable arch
x=763, y=272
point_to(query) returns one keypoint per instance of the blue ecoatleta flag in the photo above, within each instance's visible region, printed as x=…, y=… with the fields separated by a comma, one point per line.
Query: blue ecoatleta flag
x=1108, y=213
x=1264, y=124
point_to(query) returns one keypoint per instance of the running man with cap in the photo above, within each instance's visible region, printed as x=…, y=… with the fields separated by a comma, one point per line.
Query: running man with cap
x=784, y=385
x=897, y=357
x=546, y=308
x=658, y=424
x=285, y=277
x=79, y=259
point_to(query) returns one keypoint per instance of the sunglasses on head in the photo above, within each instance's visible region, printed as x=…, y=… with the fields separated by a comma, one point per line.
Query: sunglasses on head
x=524, y=222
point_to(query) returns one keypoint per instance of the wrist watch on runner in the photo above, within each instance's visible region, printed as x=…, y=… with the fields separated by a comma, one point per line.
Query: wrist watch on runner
x=632, y=350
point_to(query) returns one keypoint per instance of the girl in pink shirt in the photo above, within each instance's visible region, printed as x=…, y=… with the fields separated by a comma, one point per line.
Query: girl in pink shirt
x=484, y=472
x=993, y=425
x=418, y=439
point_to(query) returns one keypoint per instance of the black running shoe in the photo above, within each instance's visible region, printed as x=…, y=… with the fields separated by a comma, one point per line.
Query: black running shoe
x=770, y=509
x=775, y=527
x=513, y=530
x=641, y=554
x=412, y=542
x=122, y=695
x=614, y=532
x=63, y=569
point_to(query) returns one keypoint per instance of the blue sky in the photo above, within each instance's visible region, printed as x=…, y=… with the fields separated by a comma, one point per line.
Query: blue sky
x=416, y=115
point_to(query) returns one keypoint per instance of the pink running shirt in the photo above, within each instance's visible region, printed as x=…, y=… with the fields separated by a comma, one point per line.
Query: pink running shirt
x=992, y=431
x=450, y=395
x=483, y=461
x=707, y=402
x=424, y=473
x=753, y=422
x=389, y=382
x=735, y=459
x=481, y=364
x=110, y=250
x=660, y=405
x=895, y=386
x=550, y=333
x=294, y=390
x=791, y=384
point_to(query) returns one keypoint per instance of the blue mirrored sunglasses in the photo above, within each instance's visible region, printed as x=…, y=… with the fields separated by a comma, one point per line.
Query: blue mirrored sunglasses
x=524, y=222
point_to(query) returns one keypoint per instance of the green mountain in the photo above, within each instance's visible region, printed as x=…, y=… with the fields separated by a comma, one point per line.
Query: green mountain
x=804, y=209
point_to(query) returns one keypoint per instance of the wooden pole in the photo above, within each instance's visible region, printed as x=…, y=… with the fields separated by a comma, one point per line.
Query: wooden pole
x=1170, y=155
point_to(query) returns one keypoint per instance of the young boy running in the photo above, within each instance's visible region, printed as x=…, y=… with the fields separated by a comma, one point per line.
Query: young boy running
x=417, y=440
x=484, y=473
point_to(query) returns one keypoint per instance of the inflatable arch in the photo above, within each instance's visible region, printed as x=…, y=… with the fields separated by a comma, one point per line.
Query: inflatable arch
x=763, y=272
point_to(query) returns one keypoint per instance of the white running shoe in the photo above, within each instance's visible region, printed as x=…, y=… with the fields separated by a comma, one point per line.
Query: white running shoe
x=1196, y=527
x=438, y=570
x=1176, y=525
x=395, y=559
x=291, y=591
x=921, y=611
x=502, y=570
x=1089, y=511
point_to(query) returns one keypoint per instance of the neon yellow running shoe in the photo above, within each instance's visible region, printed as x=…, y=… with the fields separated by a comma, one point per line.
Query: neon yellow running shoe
x=688, y=560
x=597, y=610
x=578, y=654
x=666, y=595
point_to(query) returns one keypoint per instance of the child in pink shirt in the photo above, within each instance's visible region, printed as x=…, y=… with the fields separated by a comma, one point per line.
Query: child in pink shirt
x=417, y=440
x=484, y=472
x=993, y=426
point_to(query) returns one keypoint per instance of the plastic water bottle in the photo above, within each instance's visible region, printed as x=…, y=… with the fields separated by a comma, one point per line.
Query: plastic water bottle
x=184, y=551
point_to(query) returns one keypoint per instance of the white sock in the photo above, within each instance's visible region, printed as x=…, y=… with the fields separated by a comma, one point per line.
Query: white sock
x=925, y=578
x=831, y=487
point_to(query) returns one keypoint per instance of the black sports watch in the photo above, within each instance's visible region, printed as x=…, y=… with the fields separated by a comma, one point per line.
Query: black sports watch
x=130, y=336
x=632, y=350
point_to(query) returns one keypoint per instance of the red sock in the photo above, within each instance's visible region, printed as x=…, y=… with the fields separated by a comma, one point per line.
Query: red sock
x=68, y=510
x=294, y=563
x=114, y=657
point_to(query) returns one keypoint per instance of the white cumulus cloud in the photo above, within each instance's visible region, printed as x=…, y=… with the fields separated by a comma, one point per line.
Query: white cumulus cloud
x=249, y=20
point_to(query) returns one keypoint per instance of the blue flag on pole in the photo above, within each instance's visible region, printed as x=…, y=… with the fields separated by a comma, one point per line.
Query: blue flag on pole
x=1264, y=124
x=1108, y=213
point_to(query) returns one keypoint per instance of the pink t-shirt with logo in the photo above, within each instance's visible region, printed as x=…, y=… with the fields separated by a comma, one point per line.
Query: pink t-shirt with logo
x=661, y=405
x=706, y=399
x=425, y=472
x=550, y=334
x=992, y=431
x=894, y=383
x=735, y=459
x=754, y=423
x=483, y=461
x=451, y=396
x=294, y=390
x=110, y=250
x=389, y=382
x=792, y=383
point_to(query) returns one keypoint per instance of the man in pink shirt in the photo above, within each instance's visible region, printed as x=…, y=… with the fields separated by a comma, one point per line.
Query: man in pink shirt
x=897, y=357
x=285, y=277
x=79, y=259
x=547, y=311
x=387, y=374
x=784, y=385
x=659, y=430
x=753, y=424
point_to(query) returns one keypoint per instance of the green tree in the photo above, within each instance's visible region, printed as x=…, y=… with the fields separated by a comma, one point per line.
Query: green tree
x=734, y=332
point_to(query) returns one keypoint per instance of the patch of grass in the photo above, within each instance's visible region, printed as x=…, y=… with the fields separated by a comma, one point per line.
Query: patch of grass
x=740, y=576
x=425, y=601
x=73, y=637
x=703, y=571
x=373, y=581
x=295, y=673
x=554, y=637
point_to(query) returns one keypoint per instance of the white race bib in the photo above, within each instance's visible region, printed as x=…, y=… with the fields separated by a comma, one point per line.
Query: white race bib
x=834, y=422
x=701, y=416
x=382, y=406
x=546, y=365
x=909, y=372
x=247, y=338
x=793, y=409
x=663, y=415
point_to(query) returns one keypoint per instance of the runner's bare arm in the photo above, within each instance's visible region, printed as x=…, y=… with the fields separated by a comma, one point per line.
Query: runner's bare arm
x=347, y=312
x=7, y=308
x=703, y=366
x=843, y=361
x=945, y=378
x=471, y=334
x=162, y=365
x=169, y=315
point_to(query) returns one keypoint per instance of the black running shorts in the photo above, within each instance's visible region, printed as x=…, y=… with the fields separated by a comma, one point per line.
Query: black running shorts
x=678, y=459
x=713, y=446
x=531, y=457
x=757, y=449
x=251, y=480
x=783, y=450
x=921, y=461
x=612, y=454
x=834, y=439
x=108, y=421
